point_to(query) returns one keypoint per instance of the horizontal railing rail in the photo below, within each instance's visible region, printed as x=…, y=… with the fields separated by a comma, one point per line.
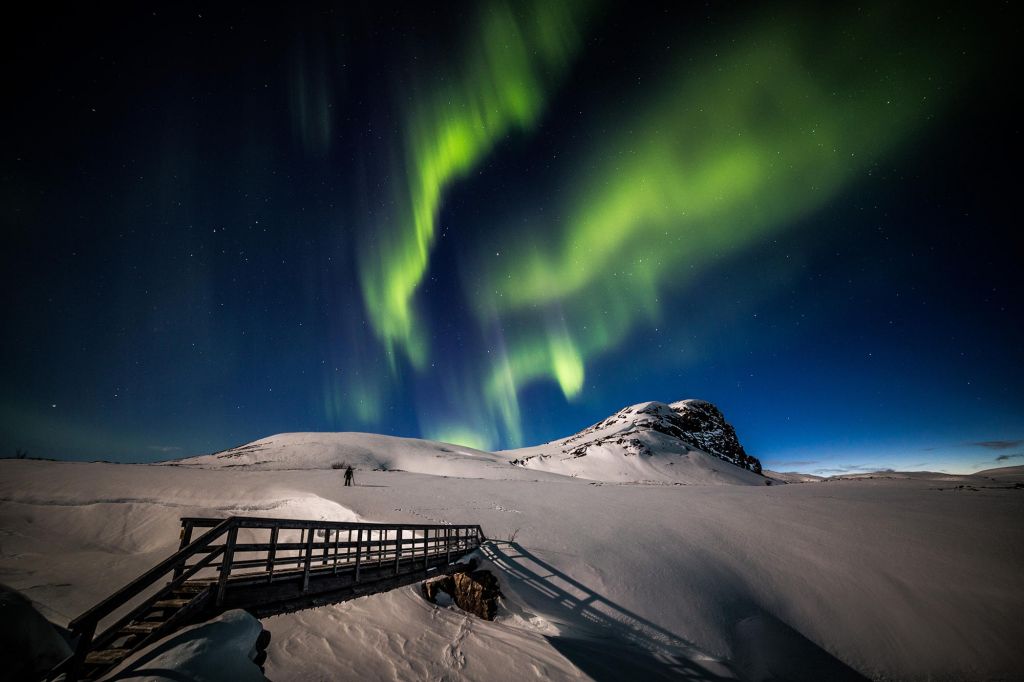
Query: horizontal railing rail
x=266, y=522
x=219, y=553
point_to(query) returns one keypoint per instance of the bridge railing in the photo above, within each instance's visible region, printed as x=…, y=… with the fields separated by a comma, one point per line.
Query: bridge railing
x=256, y=548
x=275, y=549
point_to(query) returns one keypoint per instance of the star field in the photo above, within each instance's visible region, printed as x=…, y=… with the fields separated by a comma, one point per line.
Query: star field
x=495, y=223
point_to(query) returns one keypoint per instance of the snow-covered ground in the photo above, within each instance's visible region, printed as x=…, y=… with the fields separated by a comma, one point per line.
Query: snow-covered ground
x=895, y=577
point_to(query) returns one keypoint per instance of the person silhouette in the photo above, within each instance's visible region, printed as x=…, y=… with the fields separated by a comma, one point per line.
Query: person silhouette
x=349, y=475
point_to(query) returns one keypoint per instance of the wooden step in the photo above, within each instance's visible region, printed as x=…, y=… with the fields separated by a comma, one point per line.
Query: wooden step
x=202, y=582
x=191, y=587
x=170, y=603
x=141, y=628
x=106, y=656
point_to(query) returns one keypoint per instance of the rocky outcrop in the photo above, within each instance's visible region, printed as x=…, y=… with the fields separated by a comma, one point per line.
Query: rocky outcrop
x=694, y=424
x=703, y=425
x=473, y=591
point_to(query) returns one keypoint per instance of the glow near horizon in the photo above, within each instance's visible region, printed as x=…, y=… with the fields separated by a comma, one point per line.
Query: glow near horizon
x=838, y=461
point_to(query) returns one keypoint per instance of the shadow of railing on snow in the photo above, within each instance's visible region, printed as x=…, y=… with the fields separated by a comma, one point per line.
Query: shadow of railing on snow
x=613, y=642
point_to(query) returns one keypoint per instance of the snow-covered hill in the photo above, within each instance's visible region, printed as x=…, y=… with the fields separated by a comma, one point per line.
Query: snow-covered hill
x=684, y=442
x=362, y=451
x=687, y=442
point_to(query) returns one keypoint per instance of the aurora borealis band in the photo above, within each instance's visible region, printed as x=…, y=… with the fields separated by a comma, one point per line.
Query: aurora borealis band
x=495, y=223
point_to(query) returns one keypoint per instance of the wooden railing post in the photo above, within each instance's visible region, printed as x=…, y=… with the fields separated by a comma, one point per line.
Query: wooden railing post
x=398, y=549
x=327, y=542
x=81, y=651
x=225, y=564
x=359, y=549
x=186, y=537
x=337, y=536
x=310, y=534
x=272, y=554
x=448, y=545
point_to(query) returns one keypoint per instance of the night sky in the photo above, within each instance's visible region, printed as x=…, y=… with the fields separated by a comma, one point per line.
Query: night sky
x=495, y=224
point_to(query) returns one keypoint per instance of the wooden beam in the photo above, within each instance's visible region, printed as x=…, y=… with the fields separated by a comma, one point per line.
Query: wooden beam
x=309, y=560
x=359, y=548
x=225, y=564
x=398, y=548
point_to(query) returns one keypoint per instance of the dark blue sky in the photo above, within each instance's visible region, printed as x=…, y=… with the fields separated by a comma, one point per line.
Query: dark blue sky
x=498, y=224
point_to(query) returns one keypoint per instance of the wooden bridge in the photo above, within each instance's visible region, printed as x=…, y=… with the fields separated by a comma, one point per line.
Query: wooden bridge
x=265, y=566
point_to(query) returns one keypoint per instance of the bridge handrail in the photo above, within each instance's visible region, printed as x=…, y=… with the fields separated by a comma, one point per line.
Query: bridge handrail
x=299, y=524
x=219, y=527
x=135, y=587
x=85, y=625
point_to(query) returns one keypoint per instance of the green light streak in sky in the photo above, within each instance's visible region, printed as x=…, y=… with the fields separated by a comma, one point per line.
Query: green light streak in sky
x=356, y=397
x=732, y=148
x=452, y=122
x=459, y=434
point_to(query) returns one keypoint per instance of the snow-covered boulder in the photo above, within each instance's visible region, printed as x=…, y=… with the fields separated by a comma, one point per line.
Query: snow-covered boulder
x=224, y=648
x=29, y=644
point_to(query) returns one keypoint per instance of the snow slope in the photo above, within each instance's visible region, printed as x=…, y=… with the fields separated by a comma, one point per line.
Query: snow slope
x=685, y=442
x=793, y=476
x=907, y=579
x=363, y=451
x=1005, y=474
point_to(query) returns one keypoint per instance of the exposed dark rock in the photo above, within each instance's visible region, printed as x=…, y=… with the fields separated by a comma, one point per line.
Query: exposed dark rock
x=697, y=424
x=473, y=591
x=704, y=426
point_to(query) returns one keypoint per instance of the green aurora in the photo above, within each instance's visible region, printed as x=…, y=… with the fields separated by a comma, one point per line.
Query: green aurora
x=719, y=158
x=455, y=117
x=727, y=147
x=493, y=222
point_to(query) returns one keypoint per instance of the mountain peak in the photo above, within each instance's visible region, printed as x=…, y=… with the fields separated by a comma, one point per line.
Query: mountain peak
x=677, y=442
x=704, y=425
